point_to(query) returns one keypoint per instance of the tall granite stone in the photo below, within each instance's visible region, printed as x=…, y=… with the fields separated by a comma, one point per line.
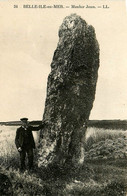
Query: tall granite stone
x=70, y=92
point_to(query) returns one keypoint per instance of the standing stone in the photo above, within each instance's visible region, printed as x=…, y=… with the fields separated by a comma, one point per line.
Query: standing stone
x=70, y=92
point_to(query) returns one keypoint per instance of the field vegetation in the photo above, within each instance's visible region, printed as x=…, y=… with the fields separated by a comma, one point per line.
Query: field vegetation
x=103, y=173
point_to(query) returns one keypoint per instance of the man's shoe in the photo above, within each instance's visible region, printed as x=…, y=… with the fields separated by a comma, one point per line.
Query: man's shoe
x=22, y=170
x=31, y=170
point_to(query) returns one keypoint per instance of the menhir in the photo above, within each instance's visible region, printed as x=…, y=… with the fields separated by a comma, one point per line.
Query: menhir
x=70, y=92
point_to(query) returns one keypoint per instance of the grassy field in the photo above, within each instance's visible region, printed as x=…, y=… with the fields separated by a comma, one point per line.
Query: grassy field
x=102, y=174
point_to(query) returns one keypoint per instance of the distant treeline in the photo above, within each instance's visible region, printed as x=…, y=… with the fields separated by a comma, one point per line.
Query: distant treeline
x=106, y=124
x=18, y=123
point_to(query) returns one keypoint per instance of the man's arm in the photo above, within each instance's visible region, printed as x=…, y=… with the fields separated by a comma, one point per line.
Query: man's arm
x=17, y=139
x=38, y=127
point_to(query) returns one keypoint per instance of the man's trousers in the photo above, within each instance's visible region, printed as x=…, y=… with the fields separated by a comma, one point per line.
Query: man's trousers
x=29, y=153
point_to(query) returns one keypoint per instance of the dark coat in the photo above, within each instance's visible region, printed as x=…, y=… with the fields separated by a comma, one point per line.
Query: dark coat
x=20, y=135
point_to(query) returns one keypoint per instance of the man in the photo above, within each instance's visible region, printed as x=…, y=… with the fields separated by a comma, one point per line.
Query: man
x=25, y=142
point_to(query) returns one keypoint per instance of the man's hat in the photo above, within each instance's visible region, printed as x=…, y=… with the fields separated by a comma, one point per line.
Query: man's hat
x=23, y=119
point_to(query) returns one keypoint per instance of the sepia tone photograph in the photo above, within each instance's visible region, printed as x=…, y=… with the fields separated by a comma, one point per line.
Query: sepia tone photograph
x=63, y=100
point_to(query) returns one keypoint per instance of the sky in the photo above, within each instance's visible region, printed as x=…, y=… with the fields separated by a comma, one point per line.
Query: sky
x=28, y=39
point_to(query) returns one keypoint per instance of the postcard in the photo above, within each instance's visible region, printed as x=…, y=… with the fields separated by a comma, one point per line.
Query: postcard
x=63, y=114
